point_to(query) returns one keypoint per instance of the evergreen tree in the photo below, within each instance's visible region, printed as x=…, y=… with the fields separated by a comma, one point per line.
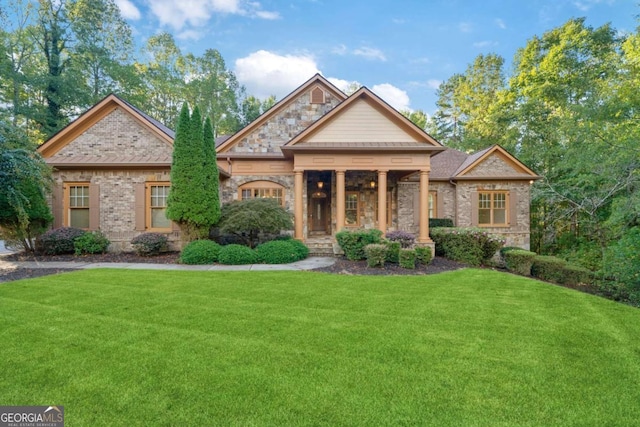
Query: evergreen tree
x=211, y=174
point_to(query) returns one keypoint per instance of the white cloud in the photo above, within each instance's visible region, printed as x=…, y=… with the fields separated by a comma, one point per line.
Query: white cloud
x=394, y=96
x=434, y=83
x=370, y=53
x=465, y=27
x=340, y=50
x=346, y=86
x=500, y=23
x=177, y=14
x=128, y=10
x=484, y=43
x=190, y=35
x=266, y=73
x=585, y=5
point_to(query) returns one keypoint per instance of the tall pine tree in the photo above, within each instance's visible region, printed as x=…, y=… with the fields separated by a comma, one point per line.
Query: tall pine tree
x=211, y=174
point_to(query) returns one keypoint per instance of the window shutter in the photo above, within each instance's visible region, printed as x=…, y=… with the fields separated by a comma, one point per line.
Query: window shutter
x=513, y=208
x=416, y=207
x=94, y=206
x=139, y=206
x=474, y=208
x=57, y=205
x=439, y=204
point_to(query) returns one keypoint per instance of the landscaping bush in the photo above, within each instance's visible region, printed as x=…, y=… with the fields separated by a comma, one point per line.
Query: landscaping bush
x=573, y=275
x=423, y=254
x=393, y=252
x=200, y=252
x=472, y=246
x=548, y=268
x=405, y=239
x=279, y=252
x=302, y=251
x=376, y=254
x=237, y=255
x=407, y=258
x=249, y=219
x=94, y=242
x=353, y=242
x=621, y=266
x=440, y=222
x=519, y=261
x=59, y=241
x=149, y=244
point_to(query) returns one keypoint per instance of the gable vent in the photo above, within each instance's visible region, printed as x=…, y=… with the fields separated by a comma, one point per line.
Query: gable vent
x=317, y=96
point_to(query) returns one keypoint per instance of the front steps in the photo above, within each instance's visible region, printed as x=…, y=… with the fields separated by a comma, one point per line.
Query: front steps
x=325, y=246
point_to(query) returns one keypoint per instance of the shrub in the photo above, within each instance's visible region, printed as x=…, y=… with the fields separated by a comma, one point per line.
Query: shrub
x=59, y=241
x=472, y=246
x=237, y=255
x=353, y=242
x=423, y=254
x=573, y=275
x=376, y=254
x=393, y=252
x=248, y=219
x=302, y=251
x=622, y=265
x=519, y=261
x=279, y=252
x=94, y=242
x=149, y=244
x=548, y=268
x=440, y=222
x=200, y=252
x=405, y=239
x=407, y=258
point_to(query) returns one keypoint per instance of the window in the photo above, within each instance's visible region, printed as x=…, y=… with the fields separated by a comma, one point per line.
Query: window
x=351, y=214
x=262, y=190
x=156, y=195
x=77, y=205
x=433, y=204
x=492, y=208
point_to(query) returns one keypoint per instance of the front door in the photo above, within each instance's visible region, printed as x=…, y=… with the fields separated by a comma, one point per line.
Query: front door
x=318, y=214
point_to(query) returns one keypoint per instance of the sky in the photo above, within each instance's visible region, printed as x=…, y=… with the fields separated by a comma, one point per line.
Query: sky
x=402, y=50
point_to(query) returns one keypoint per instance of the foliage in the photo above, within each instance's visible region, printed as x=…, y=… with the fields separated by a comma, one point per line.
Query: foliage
x=393, y=251
x=407, y=258
x=212, y=179
x=149, y=244
x=353, y=242
x=518, y=261
x=573, y=275
x=92, y=242
x=248, y=219
x=548, y=268
x=281, y=251
x=472, y=246
x=423, y=255
x=376, y=254
x=59, y=241
x=440, y=222
x=622, y=265
x=200, y=252
x=237, y=255
x=405, y=239
x=301, y=250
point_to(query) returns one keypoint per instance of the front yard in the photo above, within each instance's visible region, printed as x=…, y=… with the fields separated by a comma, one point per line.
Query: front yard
x=469, y=347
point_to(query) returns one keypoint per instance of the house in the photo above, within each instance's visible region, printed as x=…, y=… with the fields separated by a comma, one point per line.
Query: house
x=334, y=161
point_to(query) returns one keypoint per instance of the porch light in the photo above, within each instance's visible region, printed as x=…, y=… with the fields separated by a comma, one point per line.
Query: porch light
x=320, y=184
x=372, y=184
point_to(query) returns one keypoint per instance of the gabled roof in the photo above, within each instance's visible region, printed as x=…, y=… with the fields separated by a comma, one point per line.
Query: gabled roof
x=419, y=139
x=278, y=107
x=477, y=158
x=93, y=115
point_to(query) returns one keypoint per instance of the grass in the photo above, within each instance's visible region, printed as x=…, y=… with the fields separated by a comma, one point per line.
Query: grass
x=471, y=347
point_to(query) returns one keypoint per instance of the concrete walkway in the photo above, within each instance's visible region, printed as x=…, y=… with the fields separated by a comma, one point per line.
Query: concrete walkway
x=306, y=264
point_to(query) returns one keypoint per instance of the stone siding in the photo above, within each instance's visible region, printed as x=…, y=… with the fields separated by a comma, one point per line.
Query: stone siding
x=289, y=122
x=494, y=165
x=117, y=134
x=229, y=187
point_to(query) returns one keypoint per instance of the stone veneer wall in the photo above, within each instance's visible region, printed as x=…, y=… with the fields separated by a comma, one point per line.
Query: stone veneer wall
x=289, y=122
x=117, y=134
x=117, y=202
x=229, y=187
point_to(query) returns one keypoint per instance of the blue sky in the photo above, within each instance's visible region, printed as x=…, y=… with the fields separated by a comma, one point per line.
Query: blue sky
x=402, y=49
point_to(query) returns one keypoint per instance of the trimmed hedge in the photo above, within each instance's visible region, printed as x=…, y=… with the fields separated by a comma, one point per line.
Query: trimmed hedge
x=300, y=248
x=376, y=254
x=423, y=254
x=94, y=242
x=237, y=255
x=407, y=258
x=59, y=241
x=473, y=246
x=574, y=275
x=548, y=268
x=518, y=261
x=440, y=222
x=200, y=252
x=149, y=244
x=393, y=251
x=353, y=242
x=280, y=252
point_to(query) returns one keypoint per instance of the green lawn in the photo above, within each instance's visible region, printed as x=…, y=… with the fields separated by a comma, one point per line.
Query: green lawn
x=466, y=348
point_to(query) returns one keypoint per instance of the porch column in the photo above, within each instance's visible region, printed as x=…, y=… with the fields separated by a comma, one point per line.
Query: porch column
x=298, y=211
x=423, y=236
x=382, y=201
x=339, y=200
